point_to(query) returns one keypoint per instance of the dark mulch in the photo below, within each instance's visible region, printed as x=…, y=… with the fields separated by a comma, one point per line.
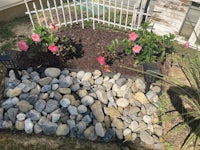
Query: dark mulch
x=93, y=43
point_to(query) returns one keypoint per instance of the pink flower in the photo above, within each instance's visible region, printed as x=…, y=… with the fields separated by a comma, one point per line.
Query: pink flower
x=187, y=44
x=101, y=60
x=23, y=46
x=137, y=49
x=53, y=48
x=132, y=36
x=36, y=37
x=52, y=26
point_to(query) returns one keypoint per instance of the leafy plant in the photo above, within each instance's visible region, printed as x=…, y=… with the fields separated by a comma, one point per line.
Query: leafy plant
x=145, y=45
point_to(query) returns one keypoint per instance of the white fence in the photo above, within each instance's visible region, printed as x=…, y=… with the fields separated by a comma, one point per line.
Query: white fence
x=114, y=13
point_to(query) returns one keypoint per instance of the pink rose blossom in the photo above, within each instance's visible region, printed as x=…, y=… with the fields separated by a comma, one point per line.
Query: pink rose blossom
x=53, y=48
x=187, y=44
x=52, y=26
x=23, y=46
x=36, y=37
x=137, y=49
x=132, y=36
x=101, y=60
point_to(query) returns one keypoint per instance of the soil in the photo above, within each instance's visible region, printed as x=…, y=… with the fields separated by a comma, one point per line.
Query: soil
x=90, y=44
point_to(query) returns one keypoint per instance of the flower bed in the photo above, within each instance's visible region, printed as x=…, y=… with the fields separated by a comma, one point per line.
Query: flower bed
x=82, y=104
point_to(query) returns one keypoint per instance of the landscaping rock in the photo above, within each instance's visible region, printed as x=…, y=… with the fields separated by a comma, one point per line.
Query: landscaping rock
x=24, y=106
x=12, y=113
x=14, y=92
x=28, y=126
x=146, y=138
x=51, y=105
x=52, y=72
x=98, y=111
x=89, y=133
x=62, y=130
x=99, y=129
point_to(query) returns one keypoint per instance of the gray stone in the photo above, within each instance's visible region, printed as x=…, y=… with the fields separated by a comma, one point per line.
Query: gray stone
x=109, y=135
x=33, y=74
x=87, y=119
x=13, y=83
x=12, y=113
x=49, y=128
x=6, y=124
x=62, y=130
x=37, y=128
x=140, y=84
x=87, y=100
x=152, y=96
x=28, y=126
x=82, y=109
x=90, y=134
x=45, y=81
x=121, y=81
x=55, y=116
x=146, y=137
x=80, y=75
x=14, y=92
x=147, y=119
x=75, y=87
x=10, y=102
x=72, y=110
x=99, y=129
x=65, y=72
x=32, y=99
x=57, y=95
x=71, y=123
x=150, y=109
x=36, y=79
x=46, y=88
x=23, y=96
x=1, y=113
x=79, y=117
x=81, y=127
x=35, y=91
x=40, y=105
x=66, y=82
x=99, y=81
x=96, y=74
x=122, y=102
x=64, y=90
x=158, y=130
x=54, y=81
x=119, y=134
x=54, y=86
x=87, y=76
x=33, y=115
x=97, y=111
x=107, y=85
x=82, y=92
x=134, y=126
x=65, y=102
x=118, y=123
x=52, y=72
x=44, y=96
x=51, y=105
x=117, y=76
x=19, y=125
x=102, y=96
x=21, y=116
x=24, y=106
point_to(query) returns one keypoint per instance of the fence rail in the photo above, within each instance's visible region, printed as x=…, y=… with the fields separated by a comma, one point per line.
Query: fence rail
x=114, y=13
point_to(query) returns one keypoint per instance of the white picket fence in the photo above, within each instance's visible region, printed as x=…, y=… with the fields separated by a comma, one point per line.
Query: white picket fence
x=115, y=13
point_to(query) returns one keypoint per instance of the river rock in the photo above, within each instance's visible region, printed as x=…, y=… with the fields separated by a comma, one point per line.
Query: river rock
x=21, y=116
x=72, y=110
x=109, y=135
x=98, y=111
x=51, y=105
x=12, y=113
x=112, y=112
x=82, y=109
x=28, y=126
x=40, y=105
x=33, y=115
x=90, y=134
x=102, y=96
x=66, y=82
x=1, y=113
x=37, y=128
x=14, y=92
x=87, y=100
x=99, y=129
x=62, y=130
x=140, y=84
x=81, y=127
x=65, y=102
x=141, y=97
x=55, y=116
x=87, y=76
x=49, y=128
x=80, y=75
x=122, y=102
x=24, y=106
x=118, y=123
x=19, y=125
x=146, y=137
x=52, y=72
x=45, y=81
x=10, y=102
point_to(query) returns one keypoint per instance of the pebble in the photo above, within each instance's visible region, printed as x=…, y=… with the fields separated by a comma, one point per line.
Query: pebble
x=98, y=111
x=24, y=106
x=52, y=72
x=62, y=130
x=65, y=102
x=87, y=100
x=99, y=129
x=28, y=126
x=90, y=134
